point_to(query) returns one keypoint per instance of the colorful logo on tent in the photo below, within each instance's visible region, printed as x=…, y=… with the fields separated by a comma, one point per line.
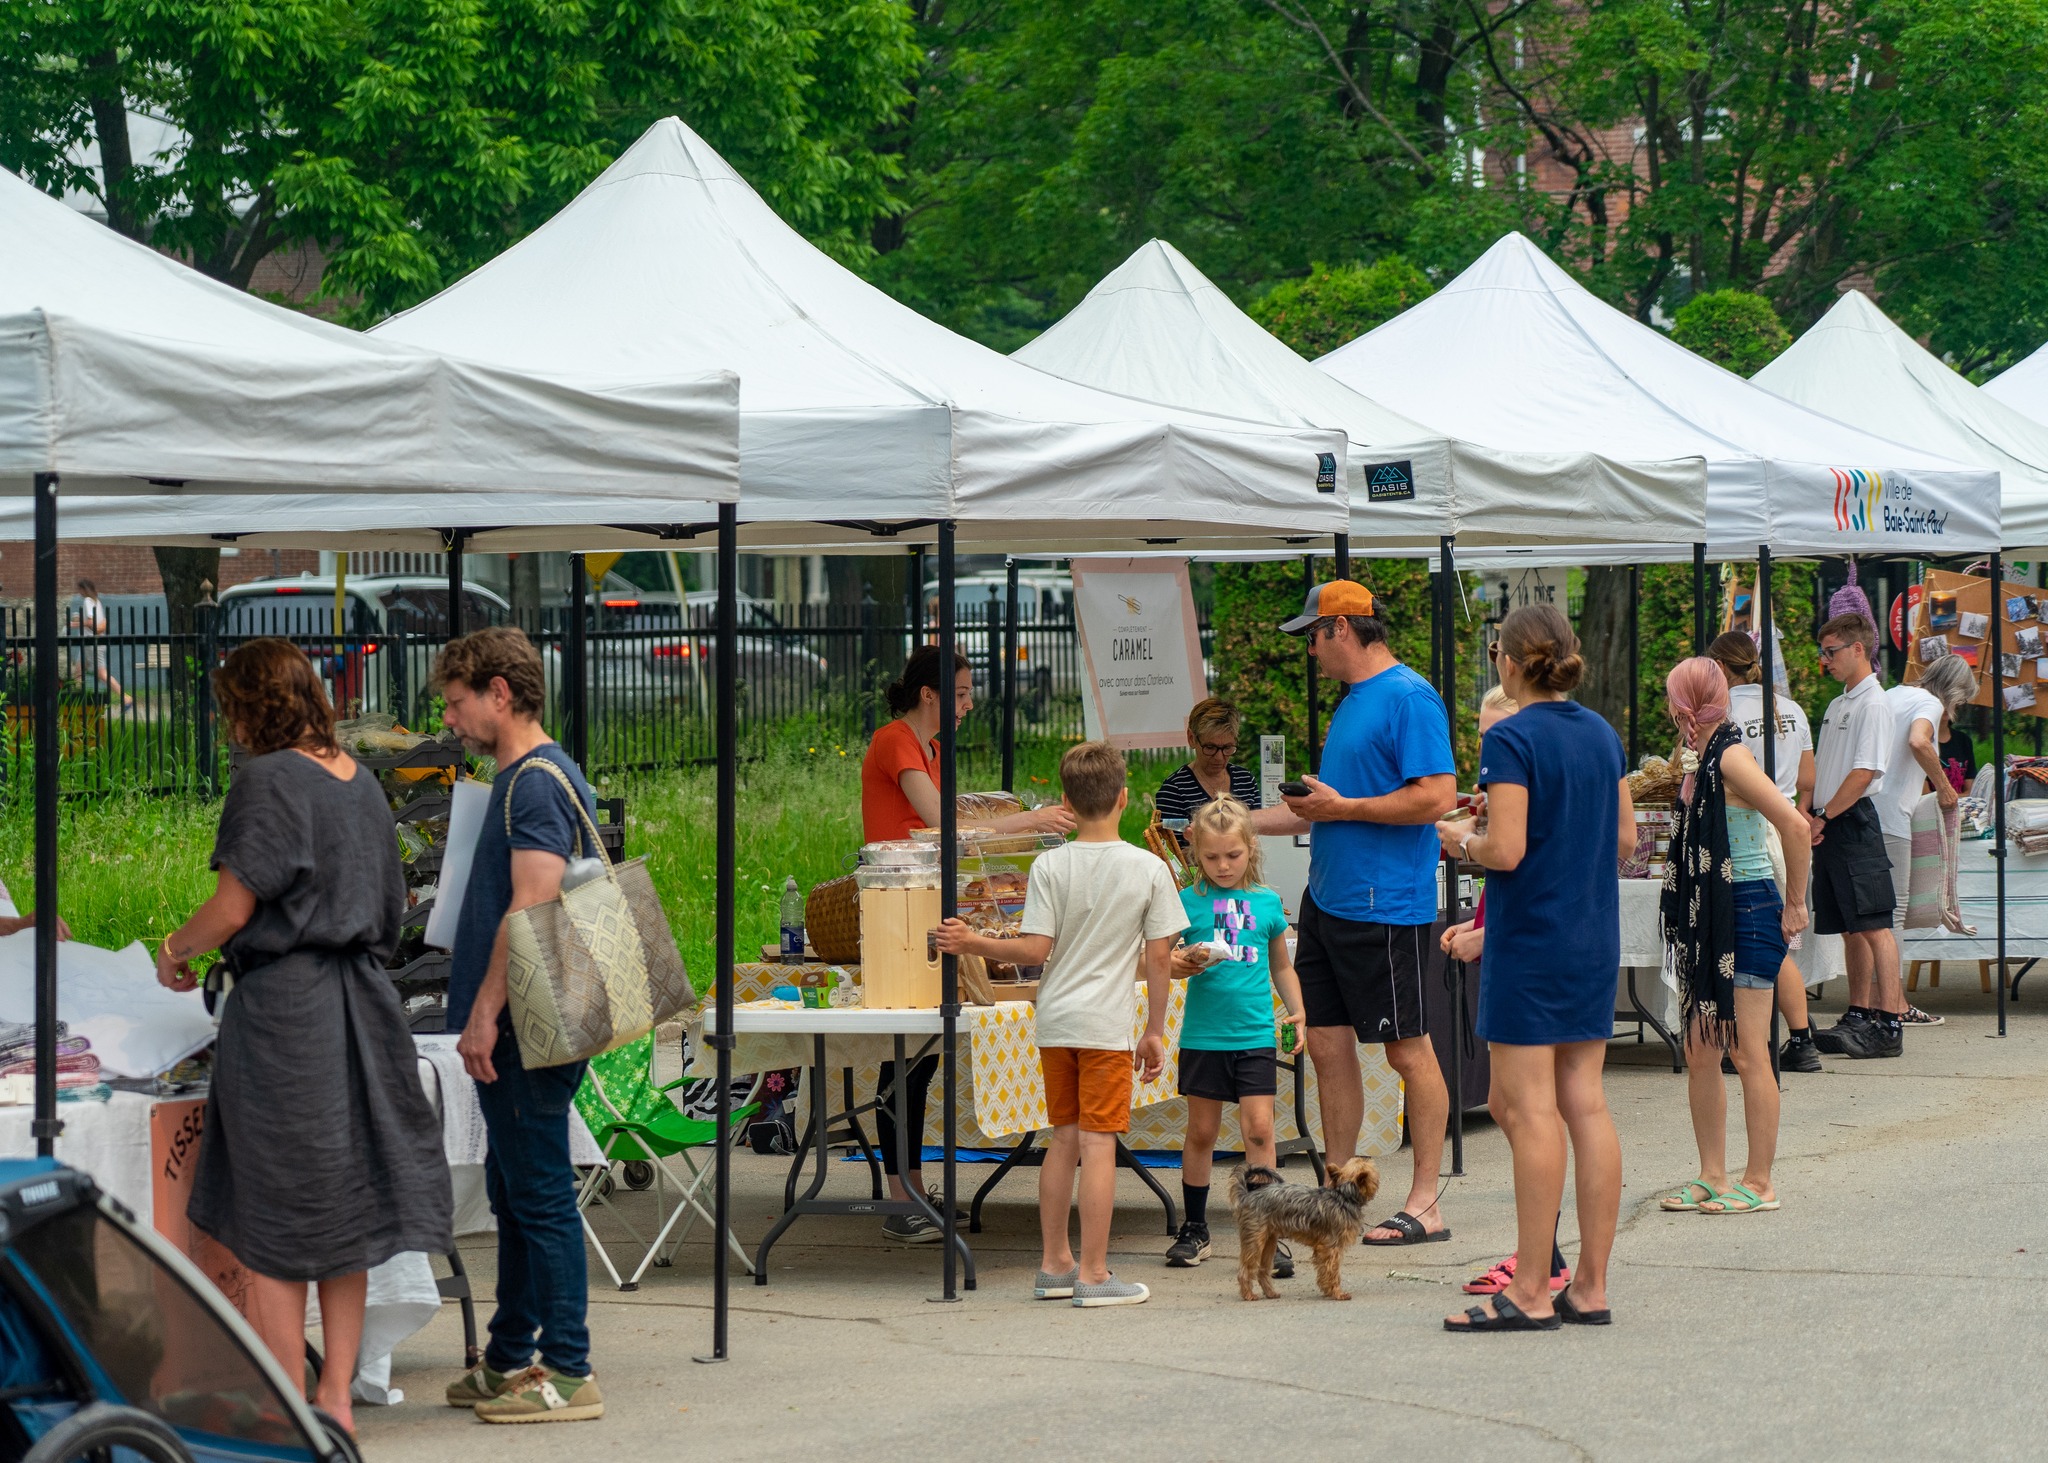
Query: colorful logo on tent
x=1326, y=472
x=1857, y=494
x=1867, y=501
x=1390, y=482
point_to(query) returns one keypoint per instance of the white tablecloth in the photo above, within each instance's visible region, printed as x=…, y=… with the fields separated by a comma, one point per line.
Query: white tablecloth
x=453, y=1096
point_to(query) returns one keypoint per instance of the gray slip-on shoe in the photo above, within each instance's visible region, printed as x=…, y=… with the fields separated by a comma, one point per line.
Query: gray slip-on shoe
x=1111, y=1292
x=1055, y=1287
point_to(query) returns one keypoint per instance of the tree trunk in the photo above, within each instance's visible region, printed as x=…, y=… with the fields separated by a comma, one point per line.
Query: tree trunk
x=526, y=591
x=184, y=572
x=1603, y=640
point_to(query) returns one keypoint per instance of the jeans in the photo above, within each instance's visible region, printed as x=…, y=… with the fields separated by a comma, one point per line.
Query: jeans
x=915, y=1088
x=543, y=1282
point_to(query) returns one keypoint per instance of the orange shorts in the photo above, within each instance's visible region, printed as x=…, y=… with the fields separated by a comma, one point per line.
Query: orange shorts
x=1089, y=1087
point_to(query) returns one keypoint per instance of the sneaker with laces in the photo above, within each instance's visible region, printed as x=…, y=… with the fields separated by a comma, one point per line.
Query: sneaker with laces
x=911, y=1229
x=1916, y=1017
x=1190, y=1247
x=1799, y=1055
x=539, y=1395
x=1111, y=1292
x=1833, y=1039
x=1874, y=1039
x=478, y=1384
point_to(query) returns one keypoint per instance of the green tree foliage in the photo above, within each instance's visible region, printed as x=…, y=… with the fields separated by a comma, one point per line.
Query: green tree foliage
x=414, y=139
x=1334, y=306
x=1732, y=328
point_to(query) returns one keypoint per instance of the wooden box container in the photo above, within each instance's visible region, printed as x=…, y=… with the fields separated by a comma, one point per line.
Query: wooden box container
x=899, y=969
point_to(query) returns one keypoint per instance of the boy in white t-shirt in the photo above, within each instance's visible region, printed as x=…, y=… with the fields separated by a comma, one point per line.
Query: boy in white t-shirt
x=1094, y=911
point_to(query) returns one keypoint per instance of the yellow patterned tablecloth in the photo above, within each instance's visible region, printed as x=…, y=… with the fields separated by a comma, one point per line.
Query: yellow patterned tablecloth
x=1003, y=1088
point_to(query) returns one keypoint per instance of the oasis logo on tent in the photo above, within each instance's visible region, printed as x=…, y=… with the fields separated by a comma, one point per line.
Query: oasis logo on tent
x=1390, y=482
x=1326, y=472
x=1868, y=502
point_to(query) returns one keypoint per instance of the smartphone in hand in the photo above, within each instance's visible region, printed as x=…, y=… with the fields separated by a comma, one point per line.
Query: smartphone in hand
x=1294, y=788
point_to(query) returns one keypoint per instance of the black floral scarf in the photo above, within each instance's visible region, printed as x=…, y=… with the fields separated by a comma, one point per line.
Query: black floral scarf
x=1699, y=899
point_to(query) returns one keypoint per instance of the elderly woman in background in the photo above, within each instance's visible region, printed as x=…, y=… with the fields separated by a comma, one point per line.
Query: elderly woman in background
x=321, y=1158
x=1210, y=774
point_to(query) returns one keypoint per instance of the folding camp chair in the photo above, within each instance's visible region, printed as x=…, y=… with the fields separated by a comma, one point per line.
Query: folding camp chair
x=635, y=1122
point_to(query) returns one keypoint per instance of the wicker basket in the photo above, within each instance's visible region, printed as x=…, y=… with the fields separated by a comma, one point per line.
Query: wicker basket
x=832, y=920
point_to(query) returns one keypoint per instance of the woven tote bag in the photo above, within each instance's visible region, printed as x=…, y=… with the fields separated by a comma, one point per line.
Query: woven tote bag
x=595, y=967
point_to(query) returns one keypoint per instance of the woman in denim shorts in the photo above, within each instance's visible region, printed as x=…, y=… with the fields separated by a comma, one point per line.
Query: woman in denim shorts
x=1727, y=930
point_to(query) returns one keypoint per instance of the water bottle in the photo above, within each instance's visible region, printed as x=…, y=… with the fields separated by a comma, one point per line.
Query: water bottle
x=792, y=922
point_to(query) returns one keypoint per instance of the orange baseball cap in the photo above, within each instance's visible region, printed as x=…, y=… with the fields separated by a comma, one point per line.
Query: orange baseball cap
x=1338, y=597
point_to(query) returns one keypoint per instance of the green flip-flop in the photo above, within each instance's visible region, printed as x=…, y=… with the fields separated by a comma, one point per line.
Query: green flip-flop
x=1739, y=1199
x=1681, y=1201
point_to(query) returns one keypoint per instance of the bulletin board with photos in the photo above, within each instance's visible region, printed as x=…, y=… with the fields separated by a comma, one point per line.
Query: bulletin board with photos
x=1953, y=617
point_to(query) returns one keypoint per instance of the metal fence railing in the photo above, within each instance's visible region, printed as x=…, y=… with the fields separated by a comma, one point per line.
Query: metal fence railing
x=136, y=710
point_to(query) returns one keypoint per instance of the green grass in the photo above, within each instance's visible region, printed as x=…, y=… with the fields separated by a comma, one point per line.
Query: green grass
x=134, y=867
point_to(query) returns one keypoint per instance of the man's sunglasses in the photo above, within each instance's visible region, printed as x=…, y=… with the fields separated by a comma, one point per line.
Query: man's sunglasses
x=1829, y=652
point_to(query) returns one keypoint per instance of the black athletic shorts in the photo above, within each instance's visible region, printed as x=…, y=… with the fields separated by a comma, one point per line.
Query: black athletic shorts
x=1852, y=875
x=1229, y=1076
x=1362, y=975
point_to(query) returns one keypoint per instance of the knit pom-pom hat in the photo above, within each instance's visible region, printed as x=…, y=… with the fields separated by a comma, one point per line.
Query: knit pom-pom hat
x=1850, y=599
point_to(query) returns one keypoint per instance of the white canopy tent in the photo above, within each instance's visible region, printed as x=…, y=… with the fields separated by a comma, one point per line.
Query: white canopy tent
x=854, y=408
x=2023, y=386
x=1516, y=352
x=1859, y=367
x=129, y=373
x=1155, y=327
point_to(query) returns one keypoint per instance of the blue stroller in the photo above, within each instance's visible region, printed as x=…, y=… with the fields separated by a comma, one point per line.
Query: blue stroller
x=113, y=1347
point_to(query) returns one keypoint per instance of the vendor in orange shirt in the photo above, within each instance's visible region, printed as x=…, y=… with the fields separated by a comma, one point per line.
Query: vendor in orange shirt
x=899, y=791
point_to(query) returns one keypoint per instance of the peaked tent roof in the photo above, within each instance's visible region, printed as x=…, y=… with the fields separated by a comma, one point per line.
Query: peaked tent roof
x=126, y=372
x=2023, y=386
x=1856, y=365
x=854, y=407
x=1156, y=327
x=1515, y=352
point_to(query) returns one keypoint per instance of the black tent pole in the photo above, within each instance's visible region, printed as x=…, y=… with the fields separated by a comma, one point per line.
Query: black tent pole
x=1997, y=757
x=1635, y=664
x=1343, y=555
x=578, y=689
x=949, y=903
x=1315, y=750
x=1009, y=687
x=727, y=678
x=1699, y=599
x=46, y=1126
x=455, y=541
x=1447, y=603
x=1767, y=639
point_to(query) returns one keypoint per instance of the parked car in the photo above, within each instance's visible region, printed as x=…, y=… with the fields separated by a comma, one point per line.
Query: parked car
x=1048, y=664
x=646, y=647
x=364, y=669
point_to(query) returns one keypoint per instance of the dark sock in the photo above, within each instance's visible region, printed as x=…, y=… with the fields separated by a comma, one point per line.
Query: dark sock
x=1798, y=1033
x=1196, y=1202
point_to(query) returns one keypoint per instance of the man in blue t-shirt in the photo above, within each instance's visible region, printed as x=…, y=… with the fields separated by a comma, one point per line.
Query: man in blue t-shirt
x=1387, y=775
x=493, y=687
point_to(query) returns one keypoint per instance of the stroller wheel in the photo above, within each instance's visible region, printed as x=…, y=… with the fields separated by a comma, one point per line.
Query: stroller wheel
x=95, y=1431
x=345, y=1449
x=639, y=1175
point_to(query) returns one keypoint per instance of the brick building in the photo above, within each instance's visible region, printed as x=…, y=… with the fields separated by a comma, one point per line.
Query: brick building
x=121, y=569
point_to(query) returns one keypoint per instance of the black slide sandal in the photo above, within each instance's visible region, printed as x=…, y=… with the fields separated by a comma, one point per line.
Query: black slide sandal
x=1507, y=1316
x=1571, y=1315
x=1409, y=1228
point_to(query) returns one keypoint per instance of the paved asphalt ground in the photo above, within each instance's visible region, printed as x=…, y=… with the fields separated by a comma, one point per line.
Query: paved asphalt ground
x=1894, y=1308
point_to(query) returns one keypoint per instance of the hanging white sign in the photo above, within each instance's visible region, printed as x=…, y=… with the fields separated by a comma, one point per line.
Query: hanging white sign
x=1143, y=649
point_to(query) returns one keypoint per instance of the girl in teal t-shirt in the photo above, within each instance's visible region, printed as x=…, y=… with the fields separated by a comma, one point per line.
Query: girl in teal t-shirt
x=1233, y=957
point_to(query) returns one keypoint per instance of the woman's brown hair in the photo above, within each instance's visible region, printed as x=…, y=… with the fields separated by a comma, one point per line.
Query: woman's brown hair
x=1540, y=640
x=268, y=693
x=1735, y=653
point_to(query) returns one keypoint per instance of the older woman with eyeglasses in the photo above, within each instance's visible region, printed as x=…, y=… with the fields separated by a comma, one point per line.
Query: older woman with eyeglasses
x=1209, y=774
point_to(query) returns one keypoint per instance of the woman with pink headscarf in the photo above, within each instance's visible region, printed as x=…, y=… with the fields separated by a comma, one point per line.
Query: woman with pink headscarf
x=1727, y=930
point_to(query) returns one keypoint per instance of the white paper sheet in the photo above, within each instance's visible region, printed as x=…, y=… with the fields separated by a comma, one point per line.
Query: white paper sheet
x=111, y=997
x=470, y=801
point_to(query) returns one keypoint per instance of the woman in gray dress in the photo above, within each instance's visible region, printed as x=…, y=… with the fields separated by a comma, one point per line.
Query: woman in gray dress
x=321, y=1157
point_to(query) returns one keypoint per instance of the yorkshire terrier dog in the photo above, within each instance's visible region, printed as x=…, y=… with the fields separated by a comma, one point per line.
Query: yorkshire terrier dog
x=1269, y=1210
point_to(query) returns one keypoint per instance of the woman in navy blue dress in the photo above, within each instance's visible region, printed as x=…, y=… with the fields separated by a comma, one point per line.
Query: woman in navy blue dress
x=1558, y=820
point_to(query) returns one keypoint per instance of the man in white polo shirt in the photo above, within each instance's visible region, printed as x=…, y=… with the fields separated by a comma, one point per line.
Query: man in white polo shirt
x=1852, y=875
